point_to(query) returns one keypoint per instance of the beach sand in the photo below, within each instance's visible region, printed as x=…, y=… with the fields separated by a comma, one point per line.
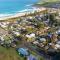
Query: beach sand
x=23, y=13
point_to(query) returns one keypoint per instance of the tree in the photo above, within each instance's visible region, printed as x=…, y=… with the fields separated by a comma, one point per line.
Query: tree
x=7, y=41
x=52, y=19
x=41, y=58
x=40, y=25
x=57, y=56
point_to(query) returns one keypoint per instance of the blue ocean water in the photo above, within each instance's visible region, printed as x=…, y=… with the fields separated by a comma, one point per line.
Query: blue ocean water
x=13, y=6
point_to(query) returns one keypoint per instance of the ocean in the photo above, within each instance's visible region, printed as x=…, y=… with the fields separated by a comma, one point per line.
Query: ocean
x=8, y=7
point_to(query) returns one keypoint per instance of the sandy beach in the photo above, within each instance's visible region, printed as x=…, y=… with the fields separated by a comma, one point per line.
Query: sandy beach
x=23, y=13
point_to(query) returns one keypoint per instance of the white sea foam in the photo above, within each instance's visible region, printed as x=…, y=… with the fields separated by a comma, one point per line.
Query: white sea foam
x=9, y=14
x=20, y=13
x=29, y=5
x=5, y=15
x=25, y=10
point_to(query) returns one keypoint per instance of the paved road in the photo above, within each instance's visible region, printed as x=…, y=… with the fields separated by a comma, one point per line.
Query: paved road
x=39, y=52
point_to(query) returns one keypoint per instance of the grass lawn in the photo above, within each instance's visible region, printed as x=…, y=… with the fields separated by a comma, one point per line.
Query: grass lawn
x=9, y=54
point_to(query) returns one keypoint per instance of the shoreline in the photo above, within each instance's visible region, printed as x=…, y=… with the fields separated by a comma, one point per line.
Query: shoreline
x=16, y=15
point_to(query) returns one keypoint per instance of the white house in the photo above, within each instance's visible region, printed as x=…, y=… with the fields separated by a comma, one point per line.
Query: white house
x=30, y=37
x=58, y=31
x=57, y=46
x=16, y=33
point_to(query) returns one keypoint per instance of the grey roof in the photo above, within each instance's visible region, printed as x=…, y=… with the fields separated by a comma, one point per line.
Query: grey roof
x=58, y=42
x=51, y=50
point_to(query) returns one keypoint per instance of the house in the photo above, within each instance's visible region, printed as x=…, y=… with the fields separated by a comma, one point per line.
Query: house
x=58, y=31
x=49, y=35
x=30, y=37
x=42, y=40
x=13, y=45
x=3, y=25
x=1, y=37
x=16, y=33
x=1, y=40
x=57, y=46
x=51, y=51
x=54, y=38
x=23, y=51
x=35, y=42
x=58, y=42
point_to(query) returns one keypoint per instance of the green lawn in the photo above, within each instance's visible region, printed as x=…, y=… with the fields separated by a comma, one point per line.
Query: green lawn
x=9, y=54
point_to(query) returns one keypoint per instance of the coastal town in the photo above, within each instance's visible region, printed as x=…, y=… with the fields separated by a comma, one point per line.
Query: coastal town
x=32, y=35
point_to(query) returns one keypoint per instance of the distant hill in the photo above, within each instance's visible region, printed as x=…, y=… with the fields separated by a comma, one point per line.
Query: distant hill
x=50, y=0
x=49, y=3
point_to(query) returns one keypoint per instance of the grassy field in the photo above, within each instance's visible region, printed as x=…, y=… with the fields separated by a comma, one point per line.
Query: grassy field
x=9, y=54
